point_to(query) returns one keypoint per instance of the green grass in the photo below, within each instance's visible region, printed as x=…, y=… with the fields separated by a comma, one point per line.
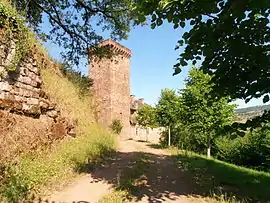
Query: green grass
x=116, y=197
x=220, y=179
x=37, y=172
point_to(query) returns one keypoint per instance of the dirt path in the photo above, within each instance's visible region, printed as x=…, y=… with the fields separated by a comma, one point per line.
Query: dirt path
x=162, y=180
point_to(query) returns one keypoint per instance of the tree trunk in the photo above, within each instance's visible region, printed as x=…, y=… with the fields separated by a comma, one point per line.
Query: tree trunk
x=169, y=141
x=209, y=149
x=147, y=134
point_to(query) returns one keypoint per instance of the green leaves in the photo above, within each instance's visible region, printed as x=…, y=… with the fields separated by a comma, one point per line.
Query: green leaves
x=159, y=22
x=170, y=16
x=168, y=108
x=231, y=44
x=265, y=98
x=176, y=71
x=182, y=24
x=201, y=112
x=74, y=31
x=147, y=117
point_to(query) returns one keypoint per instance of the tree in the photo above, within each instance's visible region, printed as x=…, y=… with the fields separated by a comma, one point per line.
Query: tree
x=73, y=23
x=146, y=116
x=231, y=39
x=202, y=113
x=168, y=109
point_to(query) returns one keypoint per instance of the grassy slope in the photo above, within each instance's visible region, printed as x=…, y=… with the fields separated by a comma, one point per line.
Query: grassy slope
x=54, y=166
x=224, y=180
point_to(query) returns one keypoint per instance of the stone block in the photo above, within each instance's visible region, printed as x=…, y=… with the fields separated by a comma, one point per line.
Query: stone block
x=5, y=86
x=23, y=92
x=25, y=107
x=44, y=104
x=20, y=98
x=52, y=113
x=32, y=101
x=31, y=109
x=25, y=80
x=23, y=71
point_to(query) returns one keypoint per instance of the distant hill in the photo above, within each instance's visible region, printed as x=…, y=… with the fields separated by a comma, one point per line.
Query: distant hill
x=250, y=112
x=253, y=108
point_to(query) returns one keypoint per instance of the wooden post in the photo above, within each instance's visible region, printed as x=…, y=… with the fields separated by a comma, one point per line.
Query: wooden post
x=209, y=149
x=169, y=141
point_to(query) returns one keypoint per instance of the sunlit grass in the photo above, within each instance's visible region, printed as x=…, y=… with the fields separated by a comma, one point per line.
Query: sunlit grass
x=223, y=181
x=38, y=171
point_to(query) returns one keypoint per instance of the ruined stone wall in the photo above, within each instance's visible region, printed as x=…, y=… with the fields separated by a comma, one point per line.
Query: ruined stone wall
x=111, y=86
x=20, y=90
x=29, y=118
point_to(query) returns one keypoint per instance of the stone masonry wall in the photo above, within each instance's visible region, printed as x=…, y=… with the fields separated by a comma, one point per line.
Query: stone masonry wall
x=120, y=95
x=21, y=90
x=99, y=72
x=111, y=86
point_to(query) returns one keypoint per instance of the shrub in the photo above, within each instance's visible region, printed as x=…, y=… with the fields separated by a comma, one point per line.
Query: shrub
x=184, y=138
x=116, y=126
x=252, y=150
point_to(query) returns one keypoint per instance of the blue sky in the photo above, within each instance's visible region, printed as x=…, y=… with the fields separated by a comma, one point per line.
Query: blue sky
x=153, y=57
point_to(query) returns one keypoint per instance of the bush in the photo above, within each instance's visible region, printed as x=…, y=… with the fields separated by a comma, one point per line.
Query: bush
x=252, y=150
x=184, y=138
x=116, y=126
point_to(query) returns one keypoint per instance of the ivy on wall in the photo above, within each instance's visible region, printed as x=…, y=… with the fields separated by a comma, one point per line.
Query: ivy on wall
x=15, y=35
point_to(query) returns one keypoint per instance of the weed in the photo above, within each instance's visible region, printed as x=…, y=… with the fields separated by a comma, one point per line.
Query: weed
x=116, y=126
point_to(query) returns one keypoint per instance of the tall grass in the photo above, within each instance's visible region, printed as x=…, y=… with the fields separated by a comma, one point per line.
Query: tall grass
x=37, y=171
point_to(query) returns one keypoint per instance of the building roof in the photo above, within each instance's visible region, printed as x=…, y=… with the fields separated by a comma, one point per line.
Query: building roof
x=118, y=47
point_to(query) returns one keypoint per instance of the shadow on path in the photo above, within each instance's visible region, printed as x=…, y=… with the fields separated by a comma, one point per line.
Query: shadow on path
x=161, y=178
x=144, y=175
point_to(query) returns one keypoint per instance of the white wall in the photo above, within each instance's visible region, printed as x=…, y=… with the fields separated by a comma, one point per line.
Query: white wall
x=146, y=134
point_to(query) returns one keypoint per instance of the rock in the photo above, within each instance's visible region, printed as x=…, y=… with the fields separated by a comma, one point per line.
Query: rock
x=52, y=113
x=5, y=86
x=25, y=80
x=52, y=105
x=32, y=101
x=23, y=71
x=43, y=104
x=72, y=132
x=20, y=98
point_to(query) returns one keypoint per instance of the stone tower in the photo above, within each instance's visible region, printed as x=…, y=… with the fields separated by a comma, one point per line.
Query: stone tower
x=111, y=87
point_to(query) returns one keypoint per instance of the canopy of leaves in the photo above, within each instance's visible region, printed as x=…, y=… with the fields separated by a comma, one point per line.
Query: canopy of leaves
x=146, y=116
x=168, y=108
x=201, y=112
x=74, y=23
x=230, y=37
